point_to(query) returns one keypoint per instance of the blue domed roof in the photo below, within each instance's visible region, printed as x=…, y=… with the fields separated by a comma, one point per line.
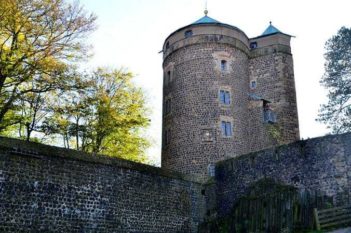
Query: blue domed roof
x=270, y=30
x=206, y=19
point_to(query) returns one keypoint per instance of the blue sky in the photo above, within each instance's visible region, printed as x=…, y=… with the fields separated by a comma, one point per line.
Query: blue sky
x=132, y=32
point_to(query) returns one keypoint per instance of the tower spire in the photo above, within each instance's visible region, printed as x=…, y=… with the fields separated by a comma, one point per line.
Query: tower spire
x=206, y=11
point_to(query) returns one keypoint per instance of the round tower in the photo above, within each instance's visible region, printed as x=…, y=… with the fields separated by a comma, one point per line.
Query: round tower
x=205, y=95
x=210, y=110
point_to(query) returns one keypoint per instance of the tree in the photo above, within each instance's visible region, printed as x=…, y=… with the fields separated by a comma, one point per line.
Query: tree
x=337, y=79
x=38, y=39
x=107, y=117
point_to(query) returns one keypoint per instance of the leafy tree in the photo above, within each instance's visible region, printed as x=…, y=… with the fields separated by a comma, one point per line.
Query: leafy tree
x=107, y=117
x=38, y=39
x=337, y=79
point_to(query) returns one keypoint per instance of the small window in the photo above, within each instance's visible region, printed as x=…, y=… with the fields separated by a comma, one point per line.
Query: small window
x=226, y=129
x=253, y=84
x=253, y=45
x=268, y=115
x=224, y=97
x=188, y=33
x=167, y=135
x=167, y=78
x=223, y=65
x=211, y=170
x=207, y=135
x=168, y=106
x=167, y=45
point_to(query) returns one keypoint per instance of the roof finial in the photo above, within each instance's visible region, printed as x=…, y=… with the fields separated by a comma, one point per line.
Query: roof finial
x=206, y=11
x=270, y=22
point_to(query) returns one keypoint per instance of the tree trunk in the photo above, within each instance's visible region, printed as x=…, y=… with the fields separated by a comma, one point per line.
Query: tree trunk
x=29, y=131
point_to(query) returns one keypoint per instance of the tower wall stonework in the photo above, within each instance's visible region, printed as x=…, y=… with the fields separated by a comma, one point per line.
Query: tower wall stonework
x=193, y=78
x=195, y=119
x=271, y=67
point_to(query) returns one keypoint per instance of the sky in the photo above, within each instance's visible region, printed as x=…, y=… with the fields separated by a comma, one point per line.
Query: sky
x=131, y=33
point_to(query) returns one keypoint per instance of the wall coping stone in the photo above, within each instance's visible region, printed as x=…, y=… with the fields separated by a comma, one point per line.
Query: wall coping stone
x=284, y=146
x=41, y=151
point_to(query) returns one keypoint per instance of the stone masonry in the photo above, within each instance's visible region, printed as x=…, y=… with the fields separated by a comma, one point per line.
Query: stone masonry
x=321, y=164
x=200, y=61
x=49, y=189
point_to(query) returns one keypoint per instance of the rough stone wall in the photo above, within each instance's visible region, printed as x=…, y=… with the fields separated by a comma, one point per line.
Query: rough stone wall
x=196, y=110
x=320, y=164
x=49, y=189
x=272, y=68
x=192, y=81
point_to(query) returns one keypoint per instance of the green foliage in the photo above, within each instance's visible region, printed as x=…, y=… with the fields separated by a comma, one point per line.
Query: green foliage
x=274, y=132
x=38, y=40
x=337, y=79
x=107, y=116
x=117, y=116
x=44, y=98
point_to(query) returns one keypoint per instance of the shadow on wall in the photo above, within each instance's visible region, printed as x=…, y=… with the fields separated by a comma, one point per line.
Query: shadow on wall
x=270, y=207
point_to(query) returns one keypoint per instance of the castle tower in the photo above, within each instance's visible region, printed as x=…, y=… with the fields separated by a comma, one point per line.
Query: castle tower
x=221, y=91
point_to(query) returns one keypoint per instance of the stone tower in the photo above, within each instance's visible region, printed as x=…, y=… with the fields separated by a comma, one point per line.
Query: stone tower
x=225, y=94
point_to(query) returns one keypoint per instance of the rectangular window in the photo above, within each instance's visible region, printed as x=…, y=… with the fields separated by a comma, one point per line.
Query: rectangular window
x=224, y=97
x=167, y=139
x=268, y=115
x=253, y=45
x=167, y=78
x=253, y=84
x=223, y=65
x=168, y=106
x=188, y=33
x=226, y=129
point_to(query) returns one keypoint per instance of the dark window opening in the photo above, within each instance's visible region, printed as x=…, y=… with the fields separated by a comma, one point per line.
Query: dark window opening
x=253, y=45
x=169, y=75
x=226, y=129
x=268, y=115
x=168, y=106
x=167, y=135
x=188, y=33
x=253, y=84
x=223, y=65
x=167, y=78
x=167, y=45
x=224, y=97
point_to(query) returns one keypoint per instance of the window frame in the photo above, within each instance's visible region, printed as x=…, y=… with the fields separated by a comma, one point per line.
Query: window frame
x=226, y=129
x=225, y=97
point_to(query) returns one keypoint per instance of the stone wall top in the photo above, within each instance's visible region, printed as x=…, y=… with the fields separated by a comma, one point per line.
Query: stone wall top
x=41, y=151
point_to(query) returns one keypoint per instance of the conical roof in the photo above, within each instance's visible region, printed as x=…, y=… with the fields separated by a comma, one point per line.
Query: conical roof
x=270, y=30
x=206, y=19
